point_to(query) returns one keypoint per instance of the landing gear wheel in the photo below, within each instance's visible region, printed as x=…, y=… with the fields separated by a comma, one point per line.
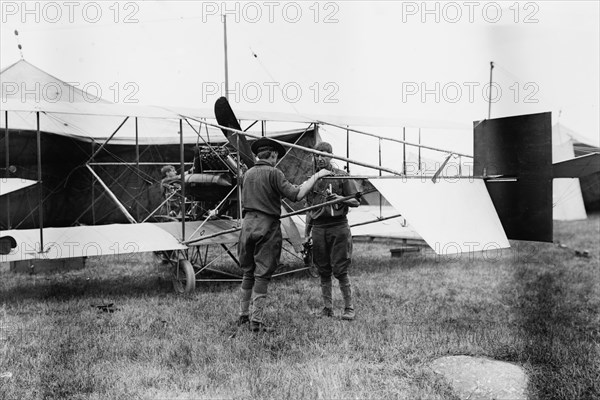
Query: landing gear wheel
x=184, y=278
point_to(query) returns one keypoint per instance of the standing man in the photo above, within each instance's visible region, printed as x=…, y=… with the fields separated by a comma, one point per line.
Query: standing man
x=260, y=242
x=332, y=241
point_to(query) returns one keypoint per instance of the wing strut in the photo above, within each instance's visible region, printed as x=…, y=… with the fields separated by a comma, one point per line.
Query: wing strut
x=112, y=196
x=40, y=188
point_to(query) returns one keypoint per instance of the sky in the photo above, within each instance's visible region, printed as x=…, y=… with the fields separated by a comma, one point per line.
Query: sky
x=411, y=60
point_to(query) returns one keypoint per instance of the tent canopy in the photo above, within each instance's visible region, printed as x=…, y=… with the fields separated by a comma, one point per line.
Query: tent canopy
x=67, y=110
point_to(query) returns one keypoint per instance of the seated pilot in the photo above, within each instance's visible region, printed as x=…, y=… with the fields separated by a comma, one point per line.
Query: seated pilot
x=170, y=185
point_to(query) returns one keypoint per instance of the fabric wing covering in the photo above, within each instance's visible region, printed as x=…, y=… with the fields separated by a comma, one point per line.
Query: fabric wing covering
x=84, y=241
x=452, y=216
x=388, y=228
x=8, y=185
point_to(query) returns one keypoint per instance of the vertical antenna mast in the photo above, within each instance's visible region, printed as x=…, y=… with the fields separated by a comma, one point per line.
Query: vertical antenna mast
x=225, y=43
x=490, y=92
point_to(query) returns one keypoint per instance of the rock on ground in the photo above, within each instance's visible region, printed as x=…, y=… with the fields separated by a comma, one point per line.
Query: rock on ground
x=476, y=378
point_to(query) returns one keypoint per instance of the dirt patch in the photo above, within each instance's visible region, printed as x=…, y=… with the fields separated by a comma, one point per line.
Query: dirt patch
x=475, y=378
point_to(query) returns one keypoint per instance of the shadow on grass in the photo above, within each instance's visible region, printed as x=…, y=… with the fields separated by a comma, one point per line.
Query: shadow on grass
x=559, y=335
x=56, y=286
x=43, y=287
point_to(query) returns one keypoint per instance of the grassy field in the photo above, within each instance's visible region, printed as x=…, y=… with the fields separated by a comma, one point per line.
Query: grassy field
x=536, y=305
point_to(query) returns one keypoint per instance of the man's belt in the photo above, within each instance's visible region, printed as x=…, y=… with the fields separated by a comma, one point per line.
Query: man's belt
x=251, y=210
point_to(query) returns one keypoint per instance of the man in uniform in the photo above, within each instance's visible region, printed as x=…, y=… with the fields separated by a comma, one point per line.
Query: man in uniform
x=260, y=242
x=332, y=241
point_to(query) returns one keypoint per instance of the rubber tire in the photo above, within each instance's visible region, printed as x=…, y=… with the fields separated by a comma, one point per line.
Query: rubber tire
x=190, y=277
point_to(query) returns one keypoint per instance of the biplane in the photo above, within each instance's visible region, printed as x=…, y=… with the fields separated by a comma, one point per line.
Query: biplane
x=83, y=179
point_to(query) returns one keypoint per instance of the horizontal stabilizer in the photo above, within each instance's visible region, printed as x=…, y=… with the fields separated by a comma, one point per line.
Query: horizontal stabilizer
x=577, y=167
x=8, y=185
x=381, y=222
x=451, y=216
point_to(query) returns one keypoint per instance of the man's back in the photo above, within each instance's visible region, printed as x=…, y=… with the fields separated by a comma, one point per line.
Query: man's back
x=264, y=186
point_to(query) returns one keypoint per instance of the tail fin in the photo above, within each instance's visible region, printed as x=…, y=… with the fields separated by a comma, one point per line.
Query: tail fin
x=514, y=155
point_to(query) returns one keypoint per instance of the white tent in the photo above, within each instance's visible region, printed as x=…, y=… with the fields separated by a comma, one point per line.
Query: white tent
x=566, y=192
x=69, y=111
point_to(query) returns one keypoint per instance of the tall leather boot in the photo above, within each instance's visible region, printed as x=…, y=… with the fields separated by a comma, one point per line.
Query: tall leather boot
x=326, y=294
x=348, y=314
x=256, y=318
x=245, y=296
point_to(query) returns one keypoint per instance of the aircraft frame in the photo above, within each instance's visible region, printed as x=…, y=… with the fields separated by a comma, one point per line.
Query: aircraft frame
x=187, y=253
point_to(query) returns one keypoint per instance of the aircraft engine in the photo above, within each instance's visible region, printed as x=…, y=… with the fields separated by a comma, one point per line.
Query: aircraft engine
x=212, y=179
